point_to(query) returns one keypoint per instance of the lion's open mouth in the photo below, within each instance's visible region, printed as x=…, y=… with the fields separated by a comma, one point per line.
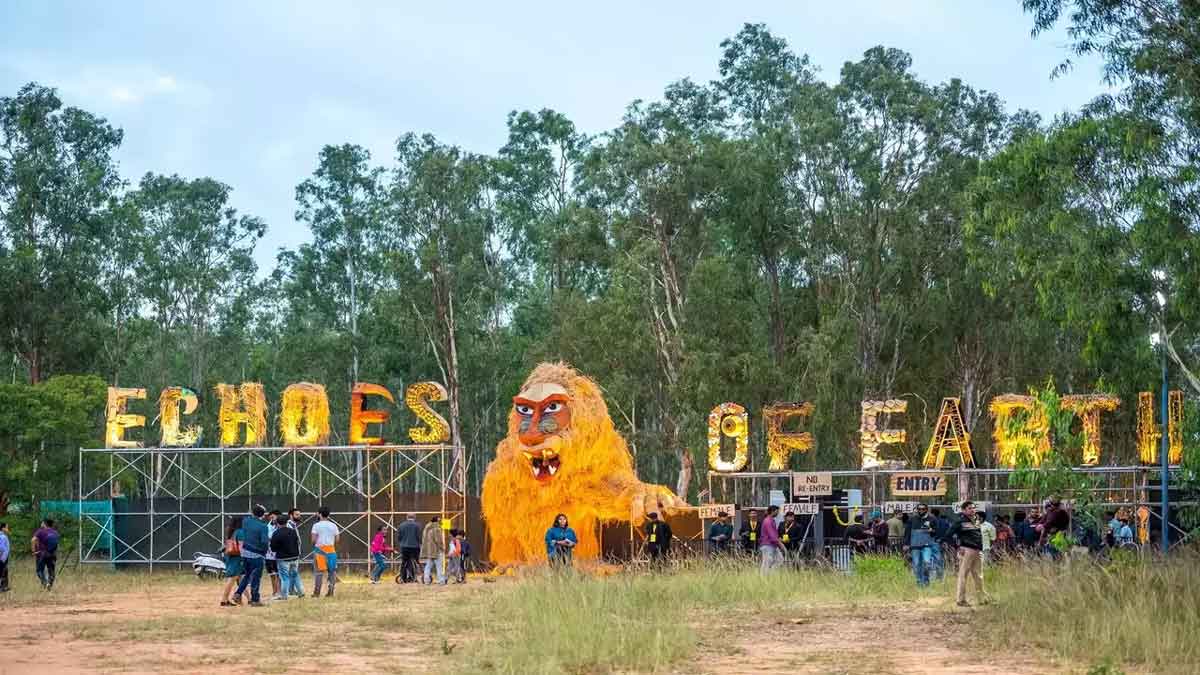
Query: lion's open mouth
x=544, y=464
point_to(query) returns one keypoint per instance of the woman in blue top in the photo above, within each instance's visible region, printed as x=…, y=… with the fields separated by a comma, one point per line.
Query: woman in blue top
x=560, y=541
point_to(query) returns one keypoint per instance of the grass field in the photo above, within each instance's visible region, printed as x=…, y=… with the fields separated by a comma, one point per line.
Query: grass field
x=1123, y=617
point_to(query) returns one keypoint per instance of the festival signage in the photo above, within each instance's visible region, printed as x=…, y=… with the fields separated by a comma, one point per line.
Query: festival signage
x=800, y=508
x=1019, y=428
x=710, y=511
x=815, y=483
x=242, y=418
x=923, y=484
x=899, y=507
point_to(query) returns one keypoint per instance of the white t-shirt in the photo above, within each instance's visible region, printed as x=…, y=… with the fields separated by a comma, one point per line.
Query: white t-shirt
x=326, y=532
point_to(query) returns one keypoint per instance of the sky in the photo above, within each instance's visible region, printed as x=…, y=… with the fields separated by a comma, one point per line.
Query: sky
x=248, y=92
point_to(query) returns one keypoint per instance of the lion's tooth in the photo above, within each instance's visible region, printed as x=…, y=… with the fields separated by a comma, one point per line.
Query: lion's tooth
x=535, y=472
x=553, y=469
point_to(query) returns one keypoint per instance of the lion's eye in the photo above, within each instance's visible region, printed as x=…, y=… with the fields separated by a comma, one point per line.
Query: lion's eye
x=553, y=407
x=524, y=410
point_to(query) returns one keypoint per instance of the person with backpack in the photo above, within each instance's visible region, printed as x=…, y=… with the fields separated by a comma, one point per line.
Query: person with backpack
x=45, y=547
x=233, y=559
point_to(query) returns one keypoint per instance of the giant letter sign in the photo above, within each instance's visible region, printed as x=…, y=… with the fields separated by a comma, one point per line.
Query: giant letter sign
x=242, y=406
x=728, y=420
x=304, y=415
x=116, y=420
x=872, y=436
x=359, y=418
x=950, y=435
x=1088, y=408
x=781, y=444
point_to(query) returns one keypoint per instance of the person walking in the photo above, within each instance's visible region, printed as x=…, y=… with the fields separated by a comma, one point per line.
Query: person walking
x=45, y=548
x=719, y=534
x=560, y=542
x=769, y=546
x=454, y=557
x=233, y=559
x=294, y=518
x=432, y=550
x=255, y=543
x=658, y=539
x=970, y=550
x=919, y=542
x=285, y=542
x=325, y=535
x=5, y=551
x=409, y=538
x=379, y=551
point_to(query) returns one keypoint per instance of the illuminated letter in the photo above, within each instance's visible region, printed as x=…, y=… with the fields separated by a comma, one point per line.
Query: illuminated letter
x=304, y=405
x=871, y=436
x=169, y=414
x=1088, y=408
x=1033, y=437
x=417, y=398
x=950, y=435
x=781, y=444
x=728, y=419
x=1149, y=433
x=117, y=420
x=359, y=418
x=245, y=405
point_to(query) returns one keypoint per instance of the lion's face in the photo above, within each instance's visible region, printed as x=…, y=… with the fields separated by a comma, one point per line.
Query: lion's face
x=542, y=416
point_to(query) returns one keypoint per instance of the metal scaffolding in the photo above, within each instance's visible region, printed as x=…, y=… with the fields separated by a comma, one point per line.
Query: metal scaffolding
x=168, y=503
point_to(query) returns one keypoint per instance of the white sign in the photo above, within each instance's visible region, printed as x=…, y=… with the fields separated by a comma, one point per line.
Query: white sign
x=710, y=511
x=801, y=508
x=899, y=507
x=812, y=483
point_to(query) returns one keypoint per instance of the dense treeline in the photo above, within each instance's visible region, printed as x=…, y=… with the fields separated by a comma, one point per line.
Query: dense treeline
x=772, y=235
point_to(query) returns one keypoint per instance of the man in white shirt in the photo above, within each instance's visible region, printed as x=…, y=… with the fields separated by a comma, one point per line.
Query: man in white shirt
x=324, y=538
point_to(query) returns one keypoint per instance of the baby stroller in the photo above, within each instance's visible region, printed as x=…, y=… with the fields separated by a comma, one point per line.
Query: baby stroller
x=208, y=564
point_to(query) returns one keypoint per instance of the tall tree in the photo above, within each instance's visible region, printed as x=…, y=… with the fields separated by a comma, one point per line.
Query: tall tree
x=57, y=180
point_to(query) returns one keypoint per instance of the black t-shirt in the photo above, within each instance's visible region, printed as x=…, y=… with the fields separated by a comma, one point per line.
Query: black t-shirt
x=856, y=533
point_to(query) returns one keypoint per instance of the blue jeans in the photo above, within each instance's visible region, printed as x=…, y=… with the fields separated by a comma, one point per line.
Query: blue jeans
x=289, y=578
x=939, y=563
x=380, y=566
x=922, y=561
x=252, y=569
x=441, y=570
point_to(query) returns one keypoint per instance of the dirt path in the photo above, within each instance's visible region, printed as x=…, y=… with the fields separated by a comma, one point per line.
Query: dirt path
x=881, y=640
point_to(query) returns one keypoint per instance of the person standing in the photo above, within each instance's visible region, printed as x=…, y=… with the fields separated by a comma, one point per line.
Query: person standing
x=658, y=539
x=560, y=542
x=45, y=548
x=770, y=547
x=233, y=559
x=879, y=531
x=285, y=542
x=1056, y=520
x=325, y=535
x=719, y=534
x=919, y=542
x=255, y=543
x=379, y=551
x=749, y=532
x=791, y=534
x=272, y=564
x=970, y=548
x=987, y=535
x=432, y=550
x=454, y=558
x=895, y=526
x=5, y=551
x=941, y=527
x=293, y=522
x=409, y=536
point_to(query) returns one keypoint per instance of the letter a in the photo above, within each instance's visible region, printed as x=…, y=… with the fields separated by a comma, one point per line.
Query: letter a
x=949, y=435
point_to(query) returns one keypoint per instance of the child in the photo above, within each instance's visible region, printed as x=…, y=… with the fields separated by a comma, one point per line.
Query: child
x=454, y=555
x=379, y=547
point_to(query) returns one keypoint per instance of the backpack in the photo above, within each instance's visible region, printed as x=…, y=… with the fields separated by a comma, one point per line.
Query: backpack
x=232, y=547
x=50, y=543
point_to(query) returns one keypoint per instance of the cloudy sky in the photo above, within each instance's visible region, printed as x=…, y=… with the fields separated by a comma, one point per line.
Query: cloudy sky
x=248, y=92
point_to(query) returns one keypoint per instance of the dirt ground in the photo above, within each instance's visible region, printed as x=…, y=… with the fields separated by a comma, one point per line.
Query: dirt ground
x=174, y=624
